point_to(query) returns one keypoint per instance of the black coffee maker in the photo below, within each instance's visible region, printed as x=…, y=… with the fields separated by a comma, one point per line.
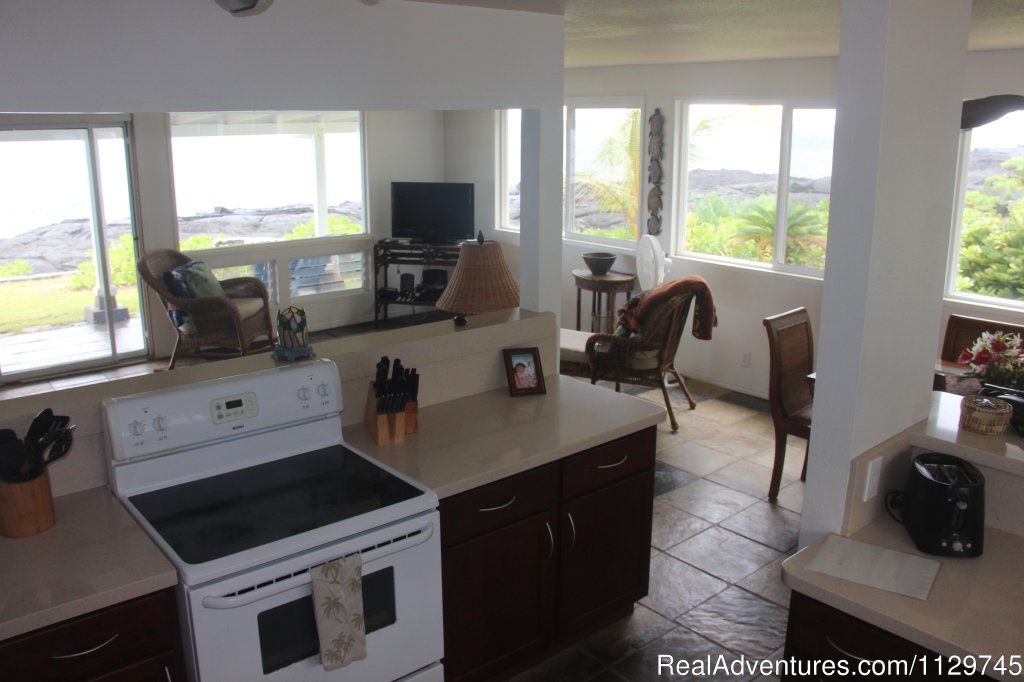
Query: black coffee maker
x=942, y=505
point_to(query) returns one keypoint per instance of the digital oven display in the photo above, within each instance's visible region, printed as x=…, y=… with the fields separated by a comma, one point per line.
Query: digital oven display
x=233, y=404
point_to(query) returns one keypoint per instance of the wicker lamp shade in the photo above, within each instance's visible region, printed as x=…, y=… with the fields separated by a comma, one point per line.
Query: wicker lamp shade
x=482, y=281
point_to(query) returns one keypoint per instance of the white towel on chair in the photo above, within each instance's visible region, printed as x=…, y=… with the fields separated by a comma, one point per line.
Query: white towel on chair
x=338, y=604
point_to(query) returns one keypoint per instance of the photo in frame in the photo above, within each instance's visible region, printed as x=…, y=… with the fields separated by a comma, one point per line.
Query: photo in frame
x=523, y=371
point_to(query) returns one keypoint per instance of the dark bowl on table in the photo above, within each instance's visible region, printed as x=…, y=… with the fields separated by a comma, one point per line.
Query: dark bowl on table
x=599, y=262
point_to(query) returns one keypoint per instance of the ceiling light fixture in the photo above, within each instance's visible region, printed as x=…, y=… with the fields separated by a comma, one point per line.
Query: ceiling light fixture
x=244, y=8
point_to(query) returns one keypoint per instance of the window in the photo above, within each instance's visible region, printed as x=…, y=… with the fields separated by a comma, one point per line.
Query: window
x=757, y=183
x=987, y=257
x=67, y=274
x=511, y=168
x=603, y=157
x=246, y=180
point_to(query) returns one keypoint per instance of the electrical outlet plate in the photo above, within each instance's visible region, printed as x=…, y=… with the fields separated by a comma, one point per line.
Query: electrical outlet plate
x=871, y=481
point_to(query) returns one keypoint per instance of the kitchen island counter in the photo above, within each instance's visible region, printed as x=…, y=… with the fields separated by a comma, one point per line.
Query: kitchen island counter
x=469, y=442
x=95, y=556
x=971, y=609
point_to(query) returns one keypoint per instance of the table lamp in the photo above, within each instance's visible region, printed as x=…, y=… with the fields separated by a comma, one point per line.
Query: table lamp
x=482, y=281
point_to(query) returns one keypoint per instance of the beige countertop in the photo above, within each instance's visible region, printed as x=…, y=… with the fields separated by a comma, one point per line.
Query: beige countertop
x=941, y=432
x=973, y=606
x=472, y=441
x=94, y=556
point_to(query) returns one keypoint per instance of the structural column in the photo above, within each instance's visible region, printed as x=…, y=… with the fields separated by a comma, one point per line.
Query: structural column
x=900, y=85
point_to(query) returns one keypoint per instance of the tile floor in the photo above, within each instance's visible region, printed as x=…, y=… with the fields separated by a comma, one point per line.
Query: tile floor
x=716, y=548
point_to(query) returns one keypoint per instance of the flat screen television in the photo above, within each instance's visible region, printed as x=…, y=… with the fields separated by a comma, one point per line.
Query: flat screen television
x=432, y=212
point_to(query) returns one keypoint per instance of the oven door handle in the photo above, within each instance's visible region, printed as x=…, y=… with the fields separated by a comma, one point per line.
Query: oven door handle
x=369, y=554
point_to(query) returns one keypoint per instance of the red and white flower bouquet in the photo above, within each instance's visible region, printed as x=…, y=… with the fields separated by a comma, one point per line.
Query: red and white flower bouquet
x=996, y=358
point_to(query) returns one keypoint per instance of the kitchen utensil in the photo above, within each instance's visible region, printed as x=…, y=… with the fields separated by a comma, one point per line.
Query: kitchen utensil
x=13, y=457
x=40, y=425
x=56, y=444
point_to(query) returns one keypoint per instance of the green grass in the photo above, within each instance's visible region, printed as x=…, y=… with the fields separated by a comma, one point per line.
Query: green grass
x=47, y=302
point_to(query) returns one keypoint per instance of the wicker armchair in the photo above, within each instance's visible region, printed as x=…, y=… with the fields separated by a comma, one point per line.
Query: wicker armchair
x=216, y=327
x=646, y=358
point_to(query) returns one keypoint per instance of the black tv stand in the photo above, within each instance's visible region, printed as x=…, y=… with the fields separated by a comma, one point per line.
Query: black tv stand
x=388, y=252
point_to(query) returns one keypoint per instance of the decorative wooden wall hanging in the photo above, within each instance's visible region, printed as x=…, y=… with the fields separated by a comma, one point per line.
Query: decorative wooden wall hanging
x=655, y=149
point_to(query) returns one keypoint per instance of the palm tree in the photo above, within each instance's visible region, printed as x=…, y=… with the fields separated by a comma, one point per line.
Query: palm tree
x=605, y=183
x=804, y=230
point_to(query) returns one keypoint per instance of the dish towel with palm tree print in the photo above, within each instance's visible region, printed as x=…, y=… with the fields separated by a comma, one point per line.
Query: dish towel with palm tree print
x=338, y=604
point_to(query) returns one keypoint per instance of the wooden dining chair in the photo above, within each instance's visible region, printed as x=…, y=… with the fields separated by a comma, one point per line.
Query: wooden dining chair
x=790, y=396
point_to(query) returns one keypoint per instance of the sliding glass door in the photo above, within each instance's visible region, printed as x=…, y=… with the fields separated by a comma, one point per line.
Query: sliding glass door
x=69, y=296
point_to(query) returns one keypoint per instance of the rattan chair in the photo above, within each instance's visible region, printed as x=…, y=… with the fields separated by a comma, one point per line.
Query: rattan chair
x=212, y=326
x=790, y=395
x=644, y=359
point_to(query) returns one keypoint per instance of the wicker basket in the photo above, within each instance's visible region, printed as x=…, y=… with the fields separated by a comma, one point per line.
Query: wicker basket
x=985, y=415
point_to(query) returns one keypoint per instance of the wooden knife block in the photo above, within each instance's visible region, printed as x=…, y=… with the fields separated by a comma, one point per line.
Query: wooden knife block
x=26, y=508
x=385, y=428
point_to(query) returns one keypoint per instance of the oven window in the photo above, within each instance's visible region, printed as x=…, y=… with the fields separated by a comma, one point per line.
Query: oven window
x=288, y=632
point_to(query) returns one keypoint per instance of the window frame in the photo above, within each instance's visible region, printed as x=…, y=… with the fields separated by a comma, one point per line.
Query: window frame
x=956, y=227
x=502, y=198
x=280, y=253
x=568, y=136
x=681, y=183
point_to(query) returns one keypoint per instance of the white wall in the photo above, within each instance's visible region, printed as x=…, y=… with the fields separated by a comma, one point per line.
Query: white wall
x=190, y=55
x=386, y=58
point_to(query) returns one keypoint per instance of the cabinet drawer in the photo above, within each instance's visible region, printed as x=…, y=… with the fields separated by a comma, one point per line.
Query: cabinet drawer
x=497, y=504
x=607, y=463
x=96, y=643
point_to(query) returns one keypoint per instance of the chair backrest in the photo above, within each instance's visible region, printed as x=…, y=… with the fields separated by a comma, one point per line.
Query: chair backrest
x=663, y=327
x=792, y=358
x=961, y=332
x=152, y=267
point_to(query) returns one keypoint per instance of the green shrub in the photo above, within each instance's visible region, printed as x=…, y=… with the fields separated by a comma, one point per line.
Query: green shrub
x=336, y=225
x=121, y=256
x=15, y=268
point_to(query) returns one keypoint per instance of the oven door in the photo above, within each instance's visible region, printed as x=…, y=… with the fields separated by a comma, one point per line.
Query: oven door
x=259, y=625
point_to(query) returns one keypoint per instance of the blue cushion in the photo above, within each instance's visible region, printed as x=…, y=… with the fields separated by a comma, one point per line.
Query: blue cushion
x=175, y=282
x=193, y=279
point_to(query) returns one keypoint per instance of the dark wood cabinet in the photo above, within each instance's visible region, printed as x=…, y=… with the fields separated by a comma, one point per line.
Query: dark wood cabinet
x=138, y=640
x=605, y=557
x=819, y=635
x=535, y=561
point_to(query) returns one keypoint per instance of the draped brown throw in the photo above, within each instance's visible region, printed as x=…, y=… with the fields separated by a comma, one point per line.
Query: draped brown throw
x=704, y=315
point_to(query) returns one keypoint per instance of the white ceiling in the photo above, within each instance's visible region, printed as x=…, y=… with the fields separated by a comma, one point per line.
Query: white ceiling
x=625, y=32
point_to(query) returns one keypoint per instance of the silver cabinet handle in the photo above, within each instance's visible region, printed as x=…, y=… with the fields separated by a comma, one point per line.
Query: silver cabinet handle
x=551, y=540
x=167, y=674
x=612, y=466
x=87, y=651
x=500, y=506
x=572, y=527
x=844, y=652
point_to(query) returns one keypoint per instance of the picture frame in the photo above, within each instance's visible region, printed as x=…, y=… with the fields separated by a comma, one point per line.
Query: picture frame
x=523, y=371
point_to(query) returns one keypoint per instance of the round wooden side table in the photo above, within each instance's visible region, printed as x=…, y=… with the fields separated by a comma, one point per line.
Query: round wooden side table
x=607, y=286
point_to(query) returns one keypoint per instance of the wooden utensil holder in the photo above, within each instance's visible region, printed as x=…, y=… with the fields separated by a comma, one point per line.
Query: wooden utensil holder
x=412, y=416
x=385, y=428
x=26, y=508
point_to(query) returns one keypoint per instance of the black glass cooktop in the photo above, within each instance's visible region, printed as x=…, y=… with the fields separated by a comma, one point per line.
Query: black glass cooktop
x=218, y=516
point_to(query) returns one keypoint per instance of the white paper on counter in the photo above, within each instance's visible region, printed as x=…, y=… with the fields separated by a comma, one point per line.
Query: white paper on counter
x=875, y=566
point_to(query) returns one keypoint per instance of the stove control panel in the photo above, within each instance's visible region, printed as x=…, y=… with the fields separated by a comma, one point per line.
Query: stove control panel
x=233, y=407
x=190, y=416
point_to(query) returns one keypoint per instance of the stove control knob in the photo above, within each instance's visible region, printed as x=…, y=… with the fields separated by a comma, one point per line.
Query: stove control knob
x=323, y=390
x=160, y=423
x=303, y=393
x=136, y=428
